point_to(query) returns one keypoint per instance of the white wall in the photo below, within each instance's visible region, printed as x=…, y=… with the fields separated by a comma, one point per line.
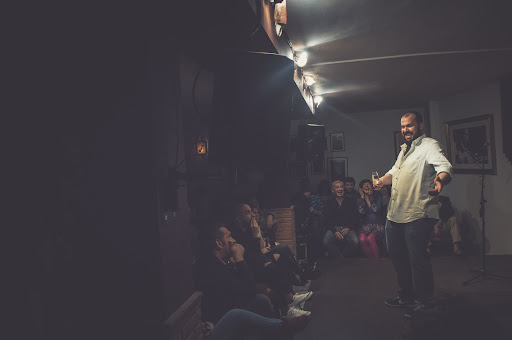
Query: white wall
x=464, y=191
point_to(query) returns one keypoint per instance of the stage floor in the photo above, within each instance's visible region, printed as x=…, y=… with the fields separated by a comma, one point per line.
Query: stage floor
x=348, y=301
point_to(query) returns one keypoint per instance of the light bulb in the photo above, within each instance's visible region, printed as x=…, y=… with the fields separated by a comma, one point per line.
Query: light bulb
x=302, y=59
x=309, y=79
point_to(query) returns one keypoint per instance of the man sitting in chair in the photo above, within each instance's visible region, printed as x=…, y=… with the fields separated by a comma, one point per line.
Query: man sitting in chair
x=448, y=223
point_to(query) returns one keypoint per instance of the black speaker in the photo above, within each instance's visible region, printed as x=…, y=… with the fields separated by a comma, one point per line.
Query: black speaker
x=311, y=141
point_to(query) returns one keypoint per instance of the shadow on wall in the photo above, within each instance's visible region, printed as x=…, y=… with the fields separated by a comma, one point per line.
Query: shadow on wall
x=472, y=232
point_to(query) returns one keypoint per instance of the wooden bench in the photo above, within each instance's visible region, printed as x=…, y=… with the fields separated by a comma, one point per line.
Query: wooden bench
x=185, y=323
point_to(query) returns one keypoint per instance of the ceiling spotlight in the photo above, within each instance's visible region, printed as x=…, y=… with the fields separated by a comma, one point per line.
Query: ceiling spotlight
x=309, y=79
x=317, y=100
x=302, y=59
x=279, y=30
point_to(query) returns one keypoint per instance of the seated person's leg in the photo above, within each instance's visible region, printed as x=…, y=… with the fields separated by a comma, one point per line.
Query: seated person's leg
x=364, y=244
x=372, y=245
x=453, y=227
x=351, y=244
x=260, y=304
x=287, y=258
x=331, y=245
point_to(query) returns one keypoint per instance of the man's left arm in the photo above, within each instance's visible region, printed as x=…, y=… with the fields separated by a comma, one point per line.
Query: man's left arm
x=443, y=167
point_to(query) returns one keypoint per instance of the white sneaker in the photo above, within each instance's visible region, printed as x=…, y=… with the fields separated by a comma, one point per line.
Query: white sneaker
x=294, y=312
x=299, y=298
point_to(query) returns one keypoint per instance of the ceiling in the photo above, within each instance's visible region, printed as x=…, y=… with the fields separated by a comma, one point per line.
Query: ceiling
x=371, y=55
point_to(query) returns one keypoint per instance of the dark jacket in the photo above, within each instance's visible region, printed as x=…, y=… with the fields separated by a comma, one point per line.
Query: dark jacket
x=253, y=255
x=224, y=286
x=345, y=215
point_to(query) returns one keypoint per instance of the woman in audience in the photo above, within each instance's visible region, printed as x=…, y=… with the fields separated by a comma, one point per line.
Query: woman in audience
x=372, y=225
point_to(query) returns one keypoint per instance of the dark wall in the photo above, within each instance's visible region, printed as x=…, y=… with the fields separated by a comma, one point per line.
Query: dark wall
x=251, y=122
x=91, y=250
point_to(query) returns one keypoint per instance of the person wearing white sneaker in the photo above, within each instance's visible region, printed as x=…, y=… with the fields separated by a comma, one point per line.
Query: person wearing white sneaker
x=294, y=312
x=300, y=298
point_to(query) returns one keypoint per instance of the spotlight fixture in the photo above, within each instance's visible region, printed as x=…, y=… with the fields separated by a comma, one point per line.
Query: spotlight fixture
x=302, y=59
x=276, y=1
x=309, y=79
x=317, y=100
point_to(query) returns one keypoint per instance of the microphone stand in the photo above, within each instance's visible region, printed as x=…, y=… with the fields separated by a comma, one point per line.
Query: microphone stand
x=482, y=273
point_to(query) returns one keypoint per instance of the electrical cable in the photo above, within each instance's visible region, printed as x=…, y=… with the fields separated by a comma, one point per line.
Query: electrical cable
x=257, y=26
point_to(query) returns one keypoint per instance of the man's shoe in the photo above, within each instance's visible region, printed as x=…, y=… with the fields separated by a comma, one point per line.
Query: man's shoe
x=299, y=298
x=296, y=324
x=294, y=312
x=415, y=310
x=399, y=302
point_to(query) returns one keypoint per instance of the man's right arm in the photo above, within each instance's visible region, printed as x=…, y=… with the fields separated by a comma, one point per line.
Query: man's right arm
x=387, y=179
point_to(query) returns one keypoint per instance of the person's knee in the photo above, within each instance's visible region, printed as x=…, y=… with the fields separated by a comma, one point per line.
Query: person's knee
x=329, y=238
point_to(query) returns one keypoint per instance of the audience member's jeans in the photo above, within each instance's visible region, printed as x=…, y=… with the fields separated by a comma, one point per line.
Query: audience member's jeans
x=260, y=304
x=349, y=244
x=407, y=249
x=238, y=323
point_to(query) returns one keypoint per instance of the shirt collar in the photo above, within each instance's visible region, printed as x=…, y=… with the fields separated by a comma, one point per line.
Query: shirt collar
x=415, y=142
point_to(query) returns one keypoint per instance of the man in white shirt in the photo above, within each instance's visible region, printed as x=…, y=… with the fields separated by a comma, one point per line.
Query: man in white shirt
x=418, y=176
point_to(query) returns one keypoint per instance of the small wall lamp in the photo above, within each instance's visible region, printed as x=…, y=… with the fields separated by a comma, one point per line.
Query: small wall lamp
x=201, y=147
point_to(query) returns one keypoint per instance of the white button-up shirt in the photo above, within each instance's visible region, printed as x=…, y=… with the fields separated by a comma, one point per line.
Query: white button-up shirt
x=413, y=176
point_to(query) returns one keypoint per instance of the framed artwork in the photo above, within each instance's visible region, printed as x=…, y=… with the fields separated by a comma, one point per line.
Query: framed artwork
x=470, y=144
x=337, y=141
x=338, y=168
x=399, y=140
x=317, y=165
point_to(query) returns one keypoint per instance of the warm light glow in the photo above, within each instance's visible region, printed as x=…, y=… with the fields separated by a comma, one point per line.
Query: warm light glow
x=309, y=79
x=302, y=59
x=317, y=100
x=201, y=147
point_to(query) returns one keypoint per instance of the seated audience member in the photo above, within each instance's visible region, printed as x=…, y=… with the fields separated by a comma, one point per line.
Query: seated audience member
x=350, y=184
x=448, y=223
x=371, y=227
x=267, y=223
x=341, y=221
x=309, y=210
x=275, y=266
x=225, y=278
x=238, y=324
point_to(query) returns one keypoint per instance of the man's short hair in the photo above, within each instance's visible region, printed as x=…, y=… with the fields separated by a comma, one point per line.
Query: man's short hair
x=336, y=181
x=210, y=237
x=417, y=116
x=349, y=180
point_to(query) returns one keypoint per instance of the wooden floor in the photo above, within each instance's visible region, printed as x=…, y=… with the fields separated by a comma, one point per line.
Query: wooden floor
x=348, y=302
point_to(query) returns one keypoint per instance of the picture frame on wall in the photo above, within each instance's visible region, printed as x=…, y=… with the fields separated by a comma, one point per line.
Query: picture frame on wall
x=337, y=141
x=470, y=145
x=338, y=168
x=399, y=140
